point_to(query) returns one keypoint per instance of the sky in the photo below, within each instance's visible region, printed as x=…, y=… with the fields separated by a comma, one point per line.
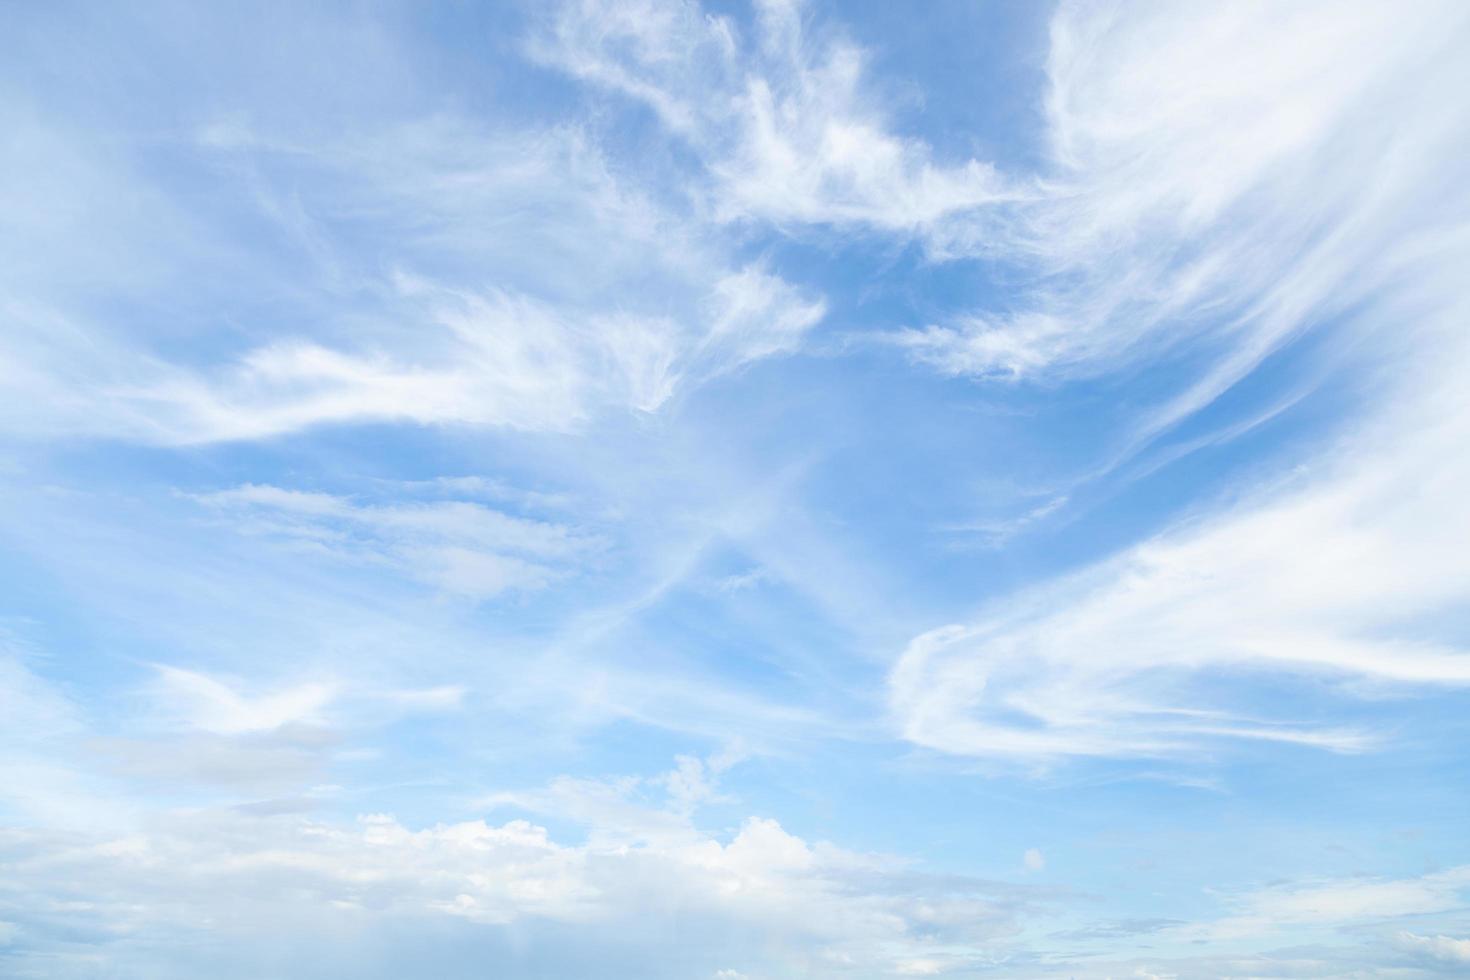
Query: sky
x=662, y=490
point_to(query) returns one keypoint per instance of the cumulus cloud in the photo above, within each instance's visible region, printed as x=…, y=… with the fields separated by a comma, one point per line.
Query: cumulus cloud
x=223, y=870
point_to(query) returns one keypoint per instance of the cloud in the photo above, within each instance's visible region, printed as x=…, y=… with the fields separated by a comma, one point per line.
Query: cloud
x=1333, y=904
x=224, y=871
x=34, y=708
x=1195, y=204
x=208, y=735
x=209, y=705
x=268, y=762
x=1325, y=574
x=783, y=125
x=460, y=547
x=1348, y=900
x=1442, y=949
x=195, y=702
x=499, y=359
x=431, y=292
x=36, y=726
x=753, y=315
x=1320, y=579
x=215, y=268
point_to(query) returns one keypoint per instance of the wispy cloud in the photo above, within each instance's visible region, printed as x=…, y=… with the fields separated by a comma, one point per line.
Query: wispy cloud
x=415, y=420
x=461, y=547
x=212, y=706
x=460, y=327
x=1337, y=903
x=498, y=359
x=784, y=125
x=1322, y=577
x=1195, y=199
x=1324, y=572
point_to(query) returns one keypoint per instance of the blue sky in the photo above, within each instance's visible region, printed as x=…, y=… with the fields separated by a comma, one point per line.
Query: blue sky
x=734, y=492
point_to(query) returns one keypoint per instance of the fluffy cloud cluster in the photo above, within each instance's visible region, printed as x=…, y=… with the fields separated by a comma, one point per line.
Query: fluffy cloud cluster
x=217, y=877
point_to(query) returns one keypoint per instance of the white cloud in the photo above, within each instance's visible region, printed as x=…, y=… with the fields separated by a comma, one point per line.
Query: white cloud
x=1330, y=572
x=496, y=360
x=783, y=125
x=224, y=870
x=1223, y=177
x=209, y=705
x=461, y=547
x=754, y=314
x=37, y=724
x=34, y=709
x=275, y=721
x=1350, y=900
x=1169, y=195
x=1318, y=579
x=1443, y=949
x=1332, y=904
x=467, y=315
x=274, y=761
